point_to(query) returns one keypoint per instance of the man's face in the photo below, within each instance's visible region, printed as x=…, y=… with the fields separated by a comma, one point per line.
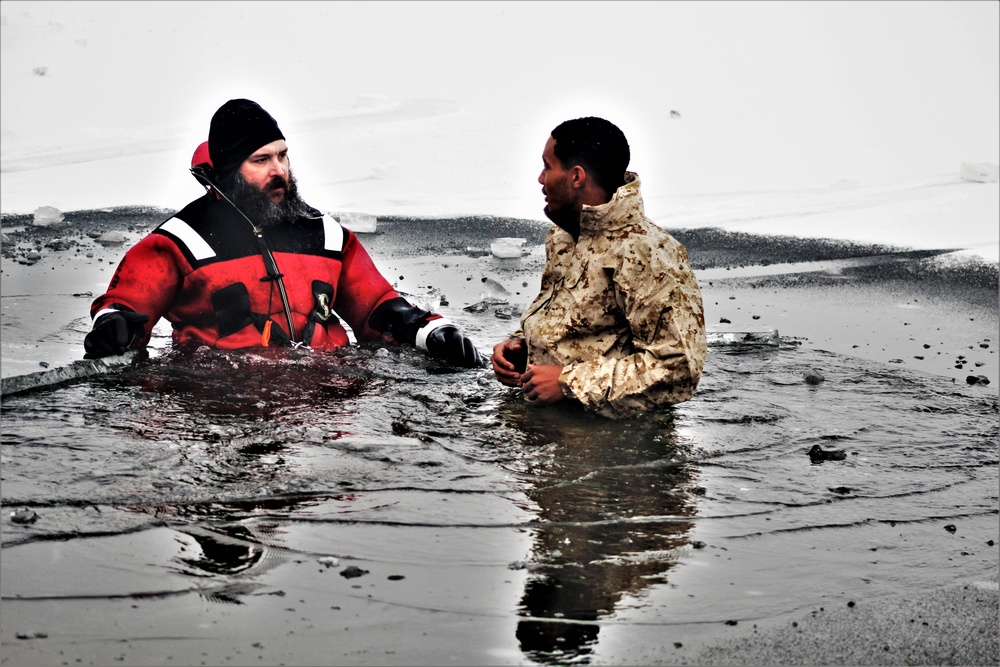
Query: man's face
x=264, y=187
x=557, y=186
x=267, y=169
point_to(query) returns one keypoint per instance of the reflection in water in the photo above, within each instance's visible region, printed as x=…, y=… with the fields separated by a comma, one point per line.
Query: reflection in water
x=612, y=499
x=232, y=450
x=230, y=557
x=234, y=549
x=234, y=541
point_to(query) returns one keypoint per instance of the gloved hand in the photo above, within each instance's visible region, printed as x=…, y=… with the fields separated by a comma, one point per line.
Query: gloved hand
x=113, y=333
x=448, y=343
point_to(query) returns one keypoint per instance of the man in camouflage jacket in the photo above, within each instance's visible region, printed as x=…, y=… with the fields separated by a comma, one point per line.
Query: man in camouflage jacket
x=618, y=324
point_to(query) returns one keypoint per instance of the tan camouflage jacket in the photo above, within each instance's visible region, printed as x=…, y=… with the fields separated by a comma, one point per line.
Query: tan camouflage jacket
x=620, y=310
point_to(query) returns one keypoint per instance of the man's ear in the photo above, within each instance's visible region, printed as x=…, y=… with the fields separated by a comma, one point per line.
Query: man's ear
x=578, y=177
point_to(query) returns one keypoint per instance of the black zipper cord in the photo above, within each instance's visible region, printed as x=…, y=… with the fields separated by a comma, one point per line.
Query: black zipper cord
x=270, y=266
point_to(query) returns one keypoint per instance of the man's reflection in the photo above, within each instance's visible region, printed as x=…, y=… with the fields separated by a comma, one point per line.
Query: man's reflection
x=611, y=497
x=232, y=552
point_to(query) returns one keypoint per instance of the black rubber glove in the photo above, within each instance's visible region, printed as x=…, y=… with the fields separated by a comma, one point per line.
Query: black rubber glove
x=113, y=333
x=448, y=344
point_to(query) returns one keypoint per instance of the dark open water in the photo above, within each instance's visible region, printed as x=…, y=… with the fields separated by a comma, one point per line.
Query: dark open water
x=211, y=499
x=708, y=513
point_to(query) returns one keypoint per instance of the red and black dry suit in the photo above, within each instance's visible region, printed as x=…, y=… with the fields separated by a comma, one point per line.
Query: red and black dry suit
x=203, y=270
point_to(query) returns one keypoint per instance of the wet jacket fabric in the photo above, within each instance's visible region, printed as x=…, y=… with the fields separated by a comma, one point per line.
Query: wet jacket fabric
x=619, y=309
x=203, y=271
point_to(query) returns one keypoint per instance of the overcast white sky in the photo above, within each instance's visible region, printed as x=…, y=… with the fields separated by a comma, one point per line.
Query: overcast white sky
x=772, y=95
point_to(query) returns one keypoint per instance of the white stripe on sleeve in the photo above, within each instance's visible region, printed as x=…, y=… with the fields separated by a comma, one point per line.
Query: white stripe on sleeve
x=190, y=238
x=333, y=234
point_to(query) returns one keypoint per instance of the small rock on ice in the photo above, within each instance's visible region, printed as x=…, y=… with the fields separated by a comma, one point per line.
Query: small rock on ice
x=813, y=377
x=352, y=571
x=23, y=515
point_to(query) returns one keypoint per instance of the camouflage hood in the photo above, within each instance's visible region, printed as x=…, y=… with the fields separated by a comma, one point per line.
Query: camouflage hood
x=619, y=309
x=624, y=209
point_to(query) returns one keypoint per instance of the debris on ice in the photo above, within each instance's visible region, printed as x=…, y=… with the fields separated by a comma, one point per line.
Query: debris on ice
x=507, y=247
x=493, y=290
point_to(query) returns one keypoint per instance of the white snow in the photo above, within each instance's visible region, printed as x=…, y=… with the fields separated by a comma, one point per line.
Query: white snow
x=821, y=119
x=981, y=173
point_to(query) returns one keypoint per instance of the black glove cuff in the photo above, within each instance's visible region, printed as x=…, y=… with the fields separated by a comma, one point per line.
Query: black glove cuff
x=397, y=318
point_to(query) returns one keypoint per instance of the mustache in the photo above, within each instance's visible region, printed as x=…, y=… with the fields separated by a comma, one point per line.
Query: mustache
x=276, y=182
x=256, y=202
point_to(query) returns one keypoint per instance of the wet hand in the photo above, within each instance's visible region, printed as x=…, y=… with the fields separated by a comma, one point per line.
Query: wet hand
x=541, y=384
x=448, y=344
x=113, y=333
x=505, y=358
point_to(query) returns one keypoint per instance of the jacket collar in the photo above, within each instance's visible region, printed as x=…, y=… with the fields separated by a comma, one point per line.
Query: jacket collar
x=624, y=207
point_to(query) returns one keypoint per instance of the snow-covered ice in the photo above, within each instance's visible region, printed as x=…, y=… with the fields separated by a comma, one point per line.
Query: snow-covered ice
x=837, y=120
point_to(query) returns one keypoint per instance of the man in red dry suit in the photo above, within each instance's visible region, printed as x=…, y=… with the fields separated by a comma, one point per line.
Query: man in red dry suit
x=251, y=264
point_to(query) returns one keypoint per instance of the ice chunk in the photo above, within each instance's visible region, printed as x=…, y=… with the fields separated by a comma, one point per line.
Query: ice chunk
x=493, y=291
x=78, y=369
x=111, y=238
x=48, y=215
x=478, y=307
x=980, y=172
x=429, y=300
x=359, y=223
x=507, y=247
x=743, y=337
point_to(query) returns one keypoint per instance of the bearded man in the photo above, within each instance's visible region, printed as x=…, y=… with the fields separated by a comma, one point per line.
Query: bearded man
x=250, y=264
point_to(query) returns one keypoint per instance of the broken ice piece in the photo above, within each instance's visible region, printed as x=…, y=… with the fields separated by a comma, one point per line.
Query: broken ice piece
x=507, y=247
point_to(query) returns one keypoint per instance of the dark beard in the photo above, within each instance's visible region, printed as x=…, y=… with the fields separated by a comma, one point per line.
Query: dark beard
x=256, y=203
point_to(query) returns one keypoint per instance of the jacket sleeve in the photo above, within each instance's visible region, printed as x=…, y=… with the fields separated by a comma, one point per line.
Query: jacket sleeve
x=361, y=289
x=660, y=297
x=146, y=280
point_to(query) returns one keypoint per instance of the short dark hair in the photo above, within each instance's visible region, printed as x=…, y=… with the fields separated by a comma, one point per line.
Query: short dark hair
x=598, y=146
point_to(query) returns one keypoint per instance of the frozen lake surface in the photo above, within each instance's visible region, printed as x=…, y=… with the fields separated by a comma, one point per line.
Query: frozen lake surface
x=271, y=505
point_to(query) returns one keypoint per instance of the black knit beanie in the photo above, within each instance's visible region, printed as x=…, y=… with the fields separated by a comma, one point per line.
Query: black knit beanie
x=239, y=128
